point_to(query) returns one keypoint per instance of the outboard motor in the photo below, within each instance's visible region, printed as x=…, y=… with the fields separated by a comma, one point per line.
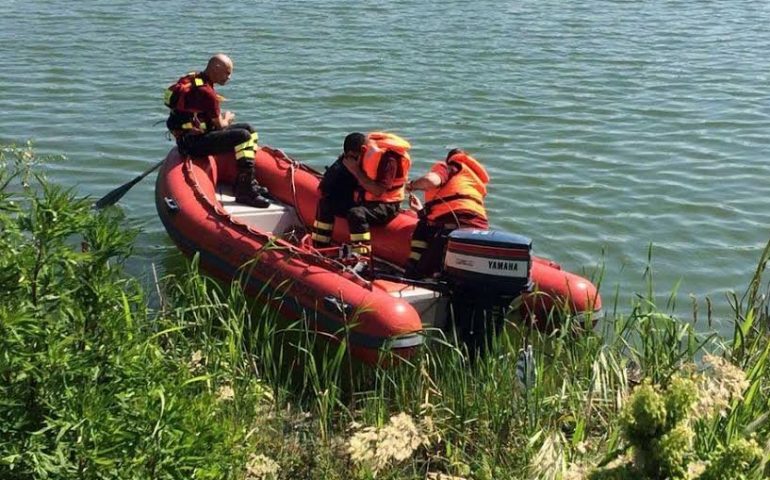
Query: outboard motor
x=485, y=270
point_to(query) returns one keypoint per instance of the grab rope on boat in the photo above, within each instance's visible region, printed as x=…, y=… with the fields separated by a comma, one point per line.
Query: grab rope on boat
x=307, y=252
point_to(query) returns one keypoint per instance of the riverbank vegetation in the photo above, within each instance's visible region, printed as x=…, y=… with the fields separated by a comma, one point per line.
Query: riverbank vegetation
x=94, y=383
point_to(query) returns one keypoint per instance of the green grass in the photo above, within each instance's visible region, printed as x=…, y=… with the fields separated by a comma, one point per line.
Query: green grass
x=212, y=384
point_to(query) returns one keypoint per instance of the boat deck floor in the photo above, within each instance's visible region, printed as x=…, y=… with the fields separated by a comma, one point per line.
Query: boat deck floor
x=278, y=218
x=281, y=220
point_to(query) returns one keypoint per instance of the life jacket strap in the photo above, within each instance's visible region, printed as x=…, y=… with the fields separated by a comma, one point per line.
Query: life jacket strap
x=456, y=196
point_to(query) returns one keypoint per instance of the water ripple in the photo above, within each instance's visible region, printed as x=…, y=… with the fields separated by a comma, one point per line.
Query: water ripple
x=606, y=126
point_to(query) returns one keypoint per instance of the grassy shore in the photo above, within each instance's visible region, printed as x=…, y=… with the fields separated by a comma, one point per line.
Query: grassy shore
x=96, y=384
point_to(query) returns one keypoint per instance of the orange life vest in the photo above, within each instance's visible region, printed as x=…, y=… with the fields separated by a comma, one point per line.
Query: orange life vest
x=377, y=143
x=175, y=98
x=464, y=191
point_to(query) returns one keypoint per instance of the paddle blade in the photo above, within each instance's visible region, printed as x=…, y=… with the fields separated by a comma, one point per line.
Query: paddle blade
x=115, y=195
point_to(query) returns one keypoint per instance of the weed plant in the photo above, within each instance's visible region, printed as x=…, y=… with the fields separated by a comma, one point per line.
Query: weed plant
x=217, y=384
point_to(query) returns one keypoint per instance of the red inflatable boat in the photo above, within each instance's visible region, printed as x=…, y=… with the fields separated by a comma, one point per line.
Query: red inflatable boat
x=375, y=310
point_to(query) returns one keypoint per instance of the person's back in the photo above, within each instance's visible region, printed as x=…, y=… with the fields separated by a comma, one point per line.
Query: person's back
x=191, y=99
x=454, y=198
x=338, y=186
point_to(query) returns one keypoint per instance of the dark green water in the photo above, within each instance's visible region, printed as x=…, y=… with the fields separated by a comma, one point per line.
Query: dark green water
x=606, y=125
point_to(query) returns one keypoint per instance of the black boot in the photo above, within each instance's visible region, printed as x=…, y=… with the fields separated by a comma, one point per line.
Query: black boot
x=247, y=190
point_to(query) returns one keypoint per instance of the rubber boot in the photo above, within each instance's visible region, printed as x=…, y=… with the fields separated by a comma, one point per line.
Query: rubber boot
x=247, y=190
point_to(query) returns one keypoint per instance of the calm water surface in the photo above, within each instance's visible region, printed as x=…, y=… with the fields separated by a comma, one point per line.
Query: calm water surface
x=607, y=126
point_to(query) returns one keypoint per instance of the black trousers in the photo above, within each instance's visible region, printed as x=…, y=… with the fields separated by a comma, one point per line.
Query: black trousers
x=220, y=141
x=428, y=242
x=360, y=217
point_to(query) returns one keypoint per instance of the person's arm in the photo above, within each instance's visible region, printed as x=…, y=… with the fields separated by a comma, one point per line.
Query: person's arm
x=219, y=119
x=384, y=178
x=371, y=186
x=437, y=176
x=428, y=181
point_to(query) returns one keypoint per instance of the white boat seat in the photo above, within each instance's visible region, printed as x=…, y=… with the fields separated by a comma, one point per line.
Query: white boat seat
x=277, y=218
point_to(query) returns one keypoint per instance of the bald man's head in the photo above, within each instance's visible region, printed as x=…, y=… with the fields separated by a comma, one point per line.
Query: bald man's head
x=219, y=68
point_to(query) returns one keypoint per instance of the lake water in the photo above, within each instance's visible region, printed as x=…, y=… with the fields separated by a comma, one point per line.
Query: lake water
x=607, y=126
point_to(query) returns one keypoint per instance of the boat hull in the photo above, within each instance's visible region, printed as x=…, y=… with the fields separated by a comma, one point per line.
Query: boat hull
x=304, y=285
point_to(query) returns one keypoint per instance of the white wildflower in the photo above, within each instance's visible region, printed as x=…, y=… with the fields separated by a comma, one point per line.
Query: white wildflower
x=576, y=472
x=442, y=476
x=696, y=469
x=261, y=467
x=196, y=361
x=719, y=383
x=581, y=448
x=225, y=393
x=394, y=442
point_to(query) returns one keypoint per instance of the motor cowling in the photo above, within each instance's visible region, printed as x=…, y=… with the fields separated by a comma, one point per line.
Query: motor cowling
x=493, y=263
x=485, y=271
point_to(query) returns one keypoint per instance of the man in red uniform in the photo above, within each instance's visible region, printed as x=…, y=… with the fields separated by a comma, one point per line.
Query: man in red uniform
x=454, y=194
x=201, y=128
x=378, y=164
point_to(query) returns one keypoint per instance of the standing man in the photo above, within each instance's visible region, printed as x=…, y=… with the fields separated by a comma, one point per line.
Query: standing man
x=454, y=198
x=379, y=164
x=200, y=128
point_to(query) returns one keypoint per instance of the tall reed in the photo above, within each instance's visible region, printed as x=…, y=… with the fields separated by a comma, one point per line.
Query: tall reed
x=216, y=383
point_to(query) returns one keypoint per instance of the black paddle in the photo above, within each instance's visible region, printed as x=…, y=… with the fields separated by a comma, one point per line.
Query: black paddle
x=115, y=195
